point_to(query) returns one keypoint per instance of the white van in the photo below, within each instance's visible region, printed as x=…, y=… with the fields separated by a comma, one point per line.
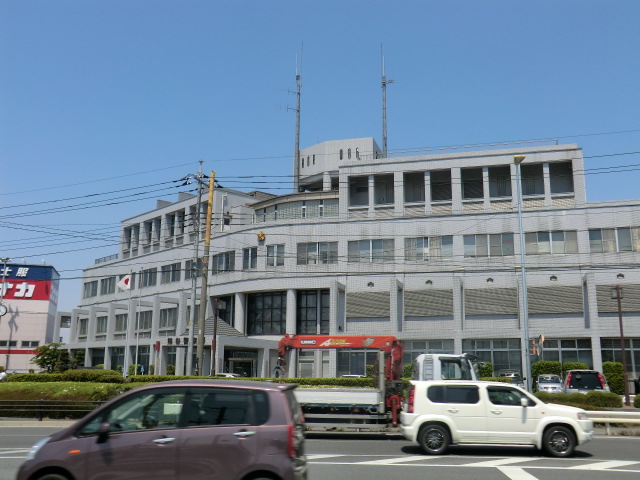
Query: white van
x=437, y=414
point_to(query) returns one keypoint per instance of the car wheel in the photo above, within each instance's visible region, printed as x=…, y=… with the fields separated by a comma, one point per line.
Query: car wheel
x=434, y=439
x=559, y=441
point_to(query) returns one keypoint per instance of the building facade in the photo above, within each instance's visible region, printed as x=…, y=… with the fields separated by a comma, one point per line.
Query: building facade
x=29, y=295
x=425, y=247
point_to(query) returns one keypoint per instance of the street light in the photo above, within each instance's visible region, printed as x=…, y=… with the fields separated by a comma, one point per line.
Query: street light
x=518, y=159
x=616, y=294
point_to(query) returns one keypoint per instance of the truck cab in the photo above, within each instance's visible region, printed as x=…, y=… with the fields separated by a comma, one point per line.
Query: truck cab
x=440, y=366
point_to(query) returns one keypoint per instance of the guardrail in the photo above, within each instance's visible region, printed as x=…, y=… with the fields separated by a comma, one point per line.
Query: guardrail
x=610, y=417
x=65, y=409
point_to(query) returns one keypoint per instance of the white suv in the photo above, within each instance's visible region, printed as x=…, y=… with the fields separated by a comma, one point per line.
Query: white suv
x=438, y=414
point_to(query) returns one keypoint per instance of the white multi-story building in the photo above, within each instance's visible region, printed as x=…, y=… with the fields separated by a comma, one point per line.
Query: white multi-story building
x=425, y=247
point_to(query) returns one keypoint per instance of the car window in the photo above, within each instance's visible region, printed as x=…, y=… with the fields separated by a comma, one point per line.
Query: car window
x=148, y=410
x=585, y=380
x=506, y=396
x=208, y=407
x=453, y=394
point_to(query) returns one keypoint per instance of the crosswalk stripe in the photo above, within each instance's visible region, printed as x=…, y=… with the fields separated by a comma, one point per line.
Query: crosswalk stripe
x=498, y=462
x=602, y=465
x=391, y=461
x=516, y=473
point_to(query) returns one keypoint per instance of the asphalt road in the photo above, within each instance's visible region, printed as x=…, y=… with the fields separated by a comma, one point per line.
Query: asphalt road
x=363, y=457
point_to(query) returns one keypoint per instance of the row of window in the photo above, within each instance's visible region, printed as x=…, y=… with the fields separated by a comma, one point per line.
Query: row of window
x=23, y=343
x=144, y=319
x=609, y=240
x=473, y=183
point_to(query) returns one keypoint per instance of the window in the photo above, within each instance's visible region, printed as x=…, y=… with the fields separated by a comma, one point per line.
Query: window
x=506, y=396
x=502, y=353
x=313, y=312
x=341, y=154
x=144, y=320
x=83, y=324
x=472, y=183
x=441, y=185
x=532, y=180
x=303, y=209
x=171, y=224
x=317, y=253
x=611, y=240
x=416, y=347
x=250, y=258
x=29, y=343
x=224, y=262
x=453, y=394
x=168, y=317
x=101, y=325
x=371, y=251
x=90, y=289
x=413, y=187
x=428, y=248
x=568, y=350
x=121, y=322
x=148, y=410
x=349, y=154
x=170, y=273
x=493, y=245
x=275, y=255
x=383, y=189
x=561, y=177
x=358, y=191
x=266, y=313
x=547, y=243
x=149, y=277
x=107, y=285
x=10, y=343
x=499, y=182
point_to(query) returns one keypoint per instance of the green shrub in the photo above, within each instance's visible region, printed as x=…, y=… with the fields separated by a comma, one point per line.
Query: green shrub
x=103, y=376
x=171, y=369
x=614, y=374
x=546, y=366
x=590, y=401
x=604, y=399
x=36, y=377
x=485, y=370
x=636, y=401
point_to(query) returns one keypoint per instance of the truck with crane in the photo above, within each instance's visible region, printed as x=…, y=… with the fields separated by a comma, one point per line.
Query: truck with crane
x=367, y=409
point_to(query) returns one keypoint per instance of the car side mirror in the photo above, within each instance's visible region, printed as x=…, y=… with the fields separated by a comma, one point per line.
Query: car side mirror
x=524, y=401
x=103, y=432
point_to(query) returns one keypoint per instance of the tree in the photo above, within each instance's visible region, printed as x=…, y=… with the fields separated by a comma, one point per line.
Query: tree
x=51, y=358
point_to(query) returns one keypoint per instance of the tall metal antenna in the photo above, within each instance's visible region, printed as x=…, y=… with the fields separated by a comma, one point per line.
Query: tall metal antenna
x=296, y=155
x=385, y=82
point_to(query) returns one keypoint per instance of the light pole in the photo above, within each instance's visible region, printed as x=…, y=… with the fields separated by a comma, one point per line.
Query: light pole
x=518, y=159
x=616, y=293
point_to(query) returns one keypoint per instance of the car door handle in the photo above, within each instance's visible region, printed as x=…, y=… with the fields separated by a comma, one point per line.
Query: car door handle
x=244, y=433
x=497, y=412
x=453, y=410
x=162, y=441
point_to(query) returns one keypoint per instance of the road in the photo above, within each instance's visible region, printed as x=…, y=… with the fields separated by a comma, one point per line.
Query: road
x=380, y=458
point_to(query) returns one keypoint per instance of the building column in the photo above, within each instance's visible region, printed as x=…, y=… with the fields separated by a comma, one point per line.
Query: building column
x=547, y=185
x=290, y=326
x=239, y=316
x=326, y=181
x=456, y=190
x=485, y=189
x=372, y=196
x=427, y=193
x=398, y=194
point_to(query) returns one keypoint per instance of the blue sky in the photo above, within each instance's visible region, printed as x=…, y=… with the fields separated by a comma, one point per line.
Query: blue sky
x=121, y=97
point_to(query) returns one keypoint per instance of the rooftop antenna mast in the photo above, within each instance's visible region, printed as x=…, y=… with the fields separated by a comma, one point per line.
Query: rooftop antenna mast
x=385, y=82
x=296, y=156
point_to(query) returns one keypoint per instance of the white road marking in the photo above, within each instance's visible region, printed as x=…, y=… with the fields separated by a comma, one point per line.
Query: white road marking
x=498, y=462
x=515, y=473
x=391, y=461
x=602, y=465
x=321, y=456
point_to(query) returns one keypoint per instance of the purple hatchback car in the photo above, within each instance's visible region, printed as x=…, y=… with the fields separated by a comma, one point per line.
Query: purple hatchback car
x=183, y=429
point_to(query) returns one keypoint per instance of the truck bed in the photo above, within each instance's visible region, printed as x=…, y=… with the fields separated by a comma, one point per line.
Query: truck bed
x=339, y=396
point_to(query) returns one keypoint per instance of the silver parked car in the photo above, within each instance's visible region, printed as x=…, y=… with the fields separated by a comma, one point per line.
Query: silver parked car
x=584, y=381
x=549, y=383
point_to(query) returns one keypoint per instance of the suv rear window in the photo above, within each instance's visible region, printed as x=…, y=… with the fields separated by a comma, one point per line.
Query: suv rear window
x=585, y=381
x=453, y=394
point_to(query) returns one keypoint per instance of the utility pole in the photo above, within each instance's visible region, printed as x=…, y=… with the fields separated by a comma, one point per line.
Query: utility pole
x=296, y=154
x=194, y=276
x=385, y=82
x=204, y=301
